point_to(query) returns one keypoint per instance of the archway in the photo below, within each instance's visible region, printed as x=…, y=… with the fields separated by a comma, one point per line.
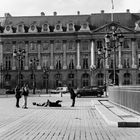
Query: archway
x=111, y=77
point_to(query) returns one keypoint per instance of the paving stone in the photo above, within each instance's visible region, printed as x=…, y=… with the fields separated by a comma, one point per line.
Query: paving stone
x=83, y=122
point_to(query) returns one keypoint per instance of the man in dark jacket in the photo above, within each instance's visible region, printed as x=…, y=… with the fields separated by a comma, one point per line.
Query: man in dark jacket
x=17, y=95
x=72, y=95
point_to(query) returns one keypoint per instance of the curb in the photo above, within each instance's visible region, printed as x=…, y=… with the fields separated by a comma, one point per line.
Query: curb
x=111, y=118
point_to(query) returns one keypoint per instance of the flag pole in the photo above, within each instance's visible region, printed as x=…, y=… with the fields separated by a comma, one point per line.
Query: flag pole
x=112, y=13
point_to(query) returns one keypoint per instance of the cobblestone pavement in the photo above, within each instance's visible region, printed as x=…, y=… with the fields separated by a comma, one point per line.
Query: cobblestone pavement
x=82, y=122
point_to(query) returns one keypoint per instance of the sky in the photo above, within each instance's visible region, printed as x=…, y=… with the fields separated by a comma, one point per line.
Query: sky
x=65, y=7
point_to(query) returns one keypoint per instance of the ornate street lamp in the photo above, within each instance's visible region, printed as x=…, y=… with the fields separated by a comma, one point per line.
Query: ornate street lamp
x=33, y=63
x=1, y=71
x=19, y=55
x=46, y=74
x=113, y=41
x=104, y=53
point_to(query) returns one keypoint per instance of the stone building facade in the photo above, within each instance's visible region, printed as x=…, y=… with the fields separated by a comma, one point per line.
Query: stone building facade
x=66, y=49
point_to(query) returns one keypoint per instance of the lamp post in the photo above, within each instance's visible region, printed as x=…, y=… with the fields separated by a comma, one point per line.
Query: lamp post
x=102, y=55
x=19, y=55
x=46, y=73
x=33, y=63
x=113, y=41
x=1, y=70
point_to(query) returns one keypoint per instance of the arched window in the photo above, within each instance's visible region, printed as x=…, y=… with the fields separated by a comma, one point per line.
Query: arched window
x=127, y=79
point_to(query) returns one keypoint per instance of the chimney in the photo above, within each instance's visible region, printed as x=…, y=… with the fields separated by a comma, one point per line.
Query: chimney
x=7, y=15
x=55, y=13
x=42, y=14
x=127, y=10
x=102, y=11
x=78, y=12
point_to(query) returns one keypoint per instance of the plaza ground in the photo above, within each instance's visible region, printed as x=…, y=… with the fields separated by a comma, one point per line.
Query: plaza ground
x=82, y=122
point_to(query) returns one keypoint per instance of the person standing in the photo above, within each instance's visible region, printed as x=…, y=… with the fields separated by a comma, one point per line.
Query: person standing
x=72, y=95
x=17, y=95
x=25, y=93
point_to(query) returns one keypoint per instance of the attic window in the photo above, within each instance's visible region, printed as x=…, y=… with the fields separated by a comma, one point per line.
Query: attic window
x=8, y=28
x=84, y=26
x=45, y=28
x=20, y=28
x=58, y=28
x=70, y=27
x=32, y=27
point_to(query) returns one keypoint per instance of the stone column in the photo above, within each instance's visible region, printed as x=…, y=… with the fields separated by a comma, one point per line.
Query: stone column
x=39, y=55
x=134, y=53
x=78, y=55
x=120, y=64
x=93, y=54
x=26, y=55
x=52, y=56
x=1, y=53
x=106, y=56
x=14, y=59
x=64, y=55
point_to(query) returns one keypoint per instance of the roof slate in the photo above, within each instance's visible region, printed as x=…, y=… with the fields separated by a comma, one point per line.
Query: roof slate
x=97, y=20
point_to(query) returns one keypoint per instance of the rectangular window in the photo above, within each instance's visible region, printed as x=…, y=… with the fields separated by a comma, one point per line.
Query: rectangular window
x=126, y=44
x=139, y=62
x=99, y=44
x=85, y=63
x=126, y=63
x=85, y=45
x=138, y=44
x=8, y=63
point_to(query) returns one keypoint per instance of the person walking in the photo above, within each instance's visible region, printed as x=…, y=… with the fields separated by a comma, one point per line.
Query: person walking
x=72, y=95
x=17, y=95
x=25, y=93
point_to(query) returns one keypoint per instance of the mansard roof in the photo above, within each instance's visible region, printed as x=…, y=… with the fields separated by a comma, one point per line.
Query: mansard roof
x=96, y=20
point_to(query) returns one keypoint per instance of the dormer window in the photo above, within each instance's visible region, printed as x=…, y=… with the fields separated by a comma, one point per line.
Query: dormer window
x=32, y=28
x=58, y=28
x=20, y=28
x=45, y=28
x=8, y=29
x=84, y=27
x=70, y=27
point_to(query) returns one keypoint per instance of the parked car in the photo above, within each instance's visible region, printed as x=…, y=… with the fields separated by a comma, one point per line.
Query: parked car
x=90, y=91
x=10, y=91
x=62, y=90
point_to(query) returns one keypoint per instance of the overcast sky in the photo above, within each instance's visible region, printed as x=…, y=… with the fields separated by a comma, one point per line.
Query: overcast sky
x=65, y=7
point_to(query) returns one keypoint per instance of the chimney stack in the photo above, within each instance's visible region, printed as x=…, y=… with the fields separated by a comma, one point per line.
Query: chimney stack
x=55, y=13
x=102, y=11
x=78, y=12
x=42, y=14
x=127, y=10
